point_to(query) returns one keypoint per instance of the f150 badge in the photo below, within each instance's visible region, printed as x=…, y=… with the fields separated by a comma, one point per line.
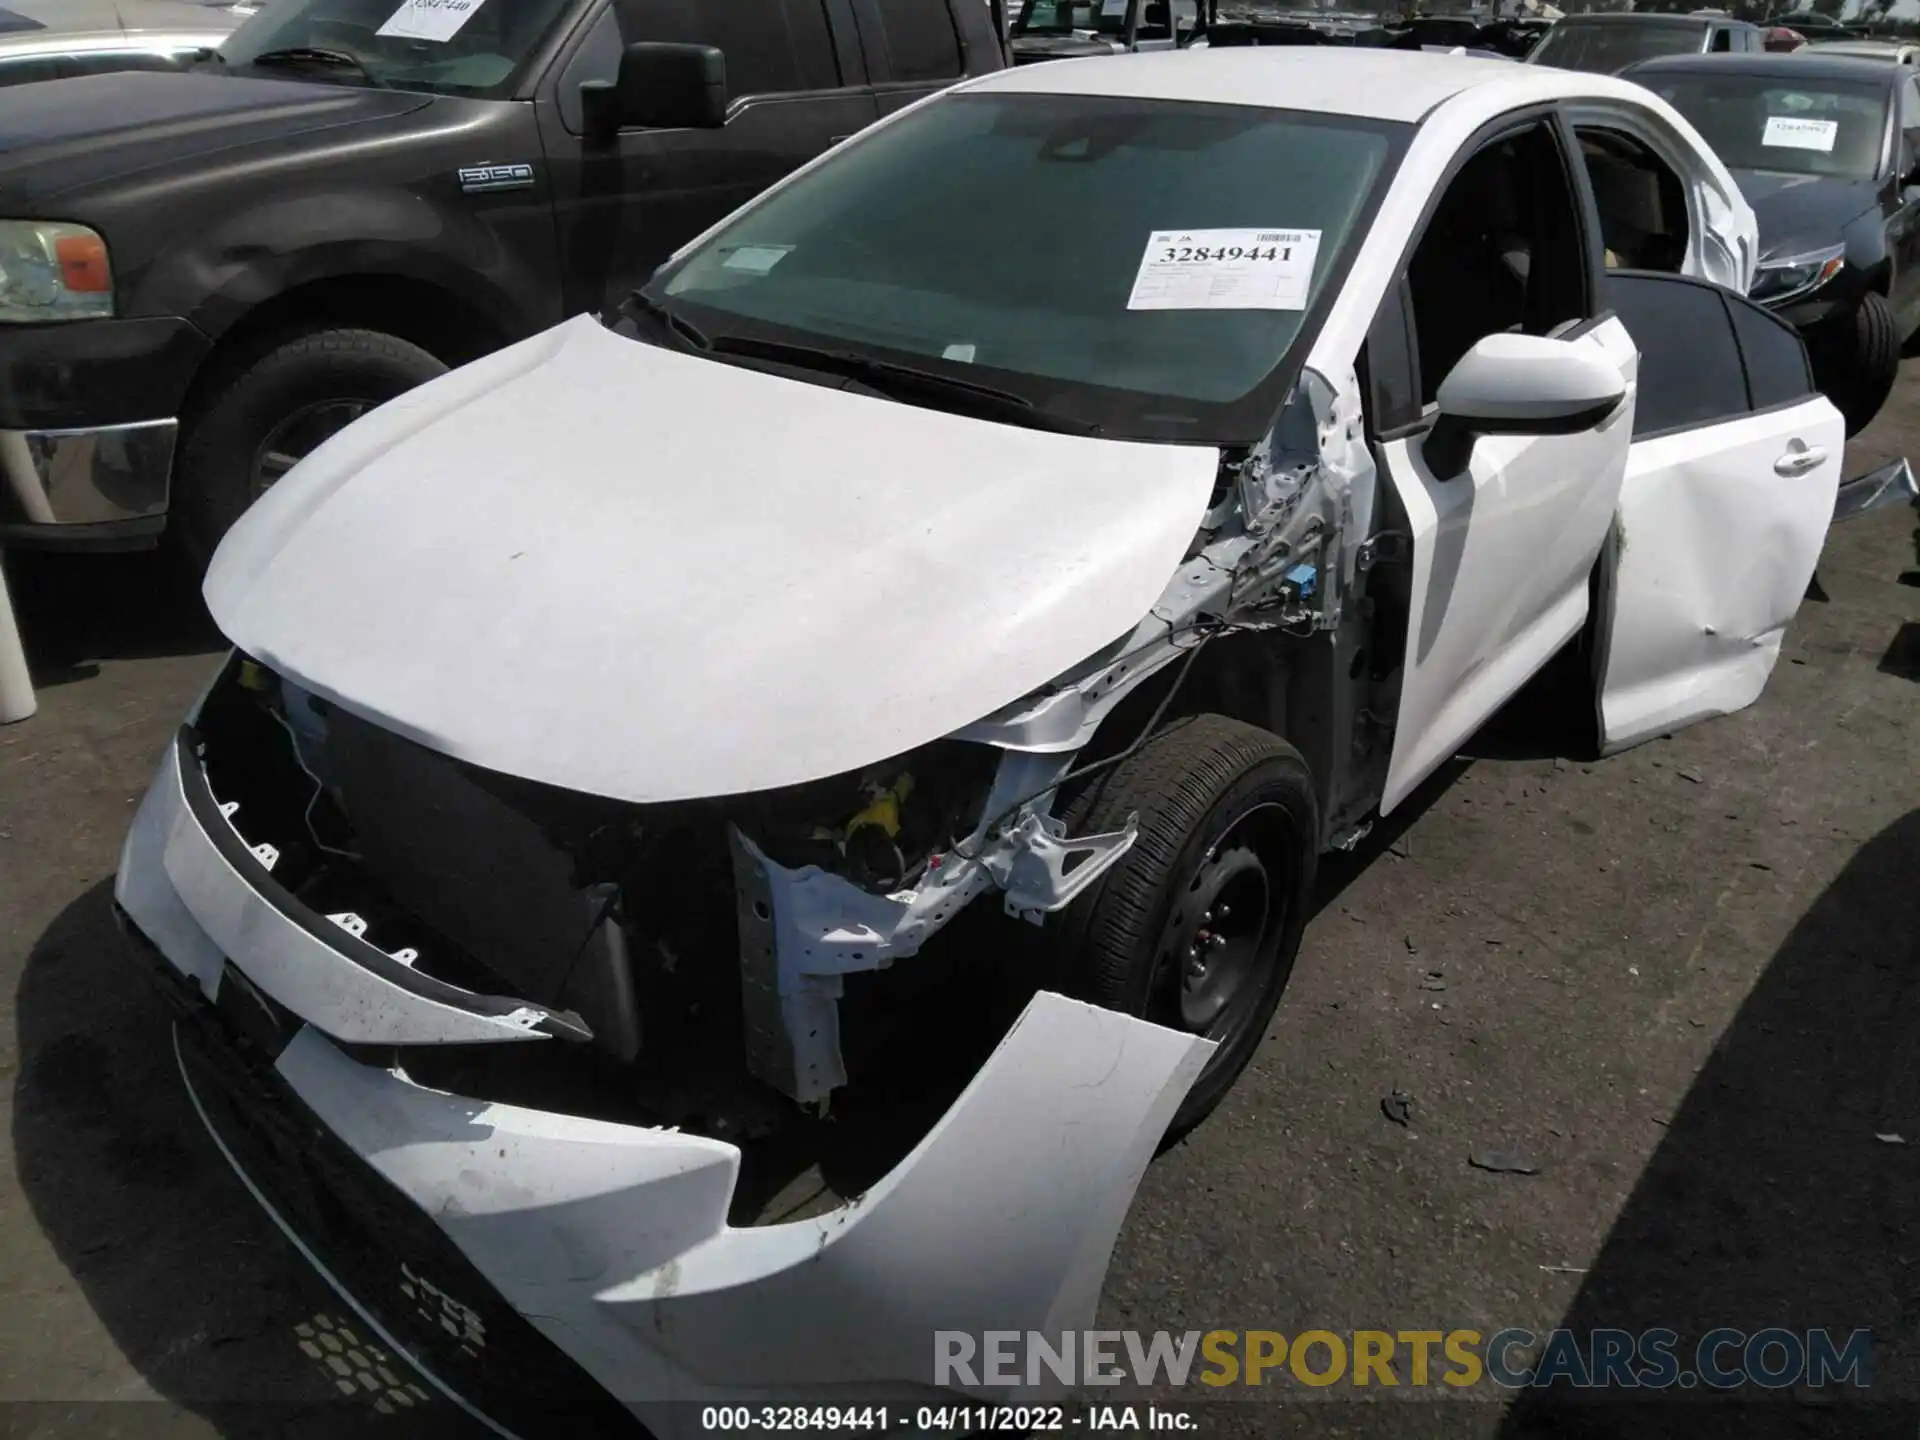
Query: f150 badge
x=477, y=179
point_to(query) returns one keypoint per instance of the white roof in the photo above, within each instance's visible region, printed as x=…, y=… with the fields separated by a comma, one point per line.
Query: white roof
x=1334, y=80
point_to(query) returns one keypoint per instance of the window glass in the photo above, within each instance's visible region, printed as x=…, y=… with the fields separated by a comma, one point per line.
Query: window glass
x=481, y=55
x=770, y=46
x=1764, y=122
x=1690, y=372
x=1642, y=204
x=1605, y=46
x=1392, y=376
x=921, y=43
x=1777, y=370
x=1007, y=233
x=1054, y=17
x=1501, y=251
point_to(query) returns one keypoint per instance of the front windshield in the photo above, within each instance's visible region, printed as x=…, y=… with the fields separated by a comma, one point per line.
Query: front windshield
x=1765, y=122
x=457, y=47
x=1603, y=49
x=1139, y=265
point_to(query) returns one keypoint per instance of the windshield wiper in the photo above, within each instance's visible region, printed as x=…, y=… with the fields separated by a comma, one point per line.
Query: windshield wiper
x=313, y=55
x=678, y=326
x=902, y=380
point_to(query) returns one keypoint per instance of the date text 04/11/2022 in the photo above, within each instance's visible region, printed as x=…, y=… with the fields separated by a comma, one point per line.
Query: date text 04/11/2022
x=943, y=1419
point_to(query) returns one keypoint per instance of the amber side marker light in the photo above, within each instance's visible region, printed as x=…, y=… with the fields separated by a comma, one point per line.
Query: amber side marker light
x=83, y=264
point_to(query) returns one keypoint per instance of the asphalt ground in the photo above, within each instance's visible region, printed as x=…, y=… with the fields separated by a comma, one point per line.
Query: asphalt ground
x=1681, y=986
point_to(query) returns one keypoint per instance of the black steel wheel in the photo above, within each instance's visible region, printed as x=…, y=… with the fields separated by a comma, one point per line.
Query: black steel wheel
x=1197, y=926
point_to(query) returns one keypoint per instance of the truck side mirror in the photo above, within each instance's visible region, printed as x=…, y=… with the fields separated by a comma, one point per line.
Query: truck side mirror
x=661, y=86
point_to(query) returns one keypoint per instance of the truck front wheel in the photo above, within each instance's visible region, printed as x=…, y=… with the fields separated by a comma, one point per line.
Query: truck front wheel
x=1197, y=925
x=271, y=410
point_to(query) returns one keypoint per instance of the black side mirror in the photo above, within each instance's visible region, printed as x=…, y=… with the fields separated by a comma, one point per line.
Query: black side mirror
x=662, y=86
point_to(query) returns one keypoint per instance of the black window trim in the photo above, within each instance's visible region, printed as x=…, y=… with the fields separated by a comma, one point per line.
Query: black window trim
x=1727, y=299
x=572, y=39
x=869, y=20
x=1398, y=292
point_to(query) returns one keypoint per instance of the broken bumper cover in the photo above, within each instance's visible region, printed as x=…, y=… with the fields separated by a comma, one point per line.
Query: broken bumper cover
x=608, y=1243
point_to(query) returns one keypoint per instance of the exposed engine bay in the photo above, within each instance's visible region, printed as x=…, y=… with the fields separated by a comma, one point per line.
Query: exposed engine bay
x=709, y=963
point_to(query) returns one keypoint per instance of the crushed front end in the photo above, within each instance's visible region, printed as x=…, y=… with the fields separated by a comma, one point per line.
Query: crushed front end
x=518, y=1068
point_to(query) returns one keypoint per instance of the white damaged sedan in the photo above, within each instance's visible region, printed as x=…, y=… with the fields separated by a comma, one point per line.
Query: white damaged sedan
x=731, y=831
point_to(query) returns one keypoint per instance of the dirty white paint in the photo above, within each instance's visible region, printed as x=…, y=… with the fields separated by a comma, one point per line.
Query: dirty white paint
x=613, y=1239
x=1717, y=548
x=1501, y=555
x=653, y=577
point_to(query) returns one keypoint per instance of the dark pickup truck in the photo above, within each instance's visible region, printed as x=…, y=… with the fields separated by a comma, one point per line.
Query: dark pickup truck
x=204, y=274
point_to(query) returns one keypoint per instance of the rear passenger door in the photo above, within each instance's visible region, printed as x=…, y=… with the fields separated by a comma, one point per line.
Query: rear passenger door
x=1728, y=494
x=796, y=85
x=914, y=47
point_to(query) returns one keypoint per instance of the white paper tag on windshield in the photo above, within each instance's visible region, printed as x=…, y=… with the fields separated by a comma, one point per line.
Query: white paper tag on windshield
x=1225, y=270
x=755, y=259
x=429, y=19
x=1785, y=132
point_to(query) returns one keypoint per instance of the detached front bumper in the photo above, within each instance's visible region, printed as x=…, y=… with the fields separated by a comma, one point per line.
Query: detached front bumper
x=88, y=425
x=509, y=1251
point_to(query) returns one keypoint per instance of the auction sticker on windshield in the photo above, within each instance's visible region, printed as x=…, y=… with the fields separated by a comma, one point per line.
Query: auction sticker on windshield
x=429, y=19
x=1225, y=270
x=1786, y=132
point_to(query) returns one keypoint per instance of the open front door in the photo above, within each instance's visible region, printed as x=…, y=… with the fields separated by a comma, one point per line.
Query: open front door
x=1501, y=555
x=1729, y=491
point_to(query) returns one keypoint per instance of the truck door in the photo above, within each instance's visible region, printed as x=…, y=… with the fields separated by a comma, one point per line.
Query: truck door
x=624, y=203
x=915, y=47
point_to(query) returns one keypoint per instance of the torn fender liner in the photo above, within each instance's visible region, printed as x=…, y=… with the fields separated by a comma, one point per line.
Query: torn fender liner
x=643, y=575
x=612, y=1240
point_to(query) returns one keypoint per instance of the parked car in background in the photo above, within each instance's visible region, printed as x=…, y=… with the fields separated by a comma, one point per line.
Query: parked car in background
x=1815, y=26
x=1780, y=40
x=203, y=275
x=1827, y=151
x=54, y=39
x=1074, y=29
x=1899, y=52
x=1609, y=43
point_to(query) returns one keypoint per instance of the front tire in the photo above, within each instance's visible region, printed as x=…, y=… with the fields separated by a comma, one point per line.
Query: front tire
x=268, y=411
x=1856, y=359
x=1197, y=926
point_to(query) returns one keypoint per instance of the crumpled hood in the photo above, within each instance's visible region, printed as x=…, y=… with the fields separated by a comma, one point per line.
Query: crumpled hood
x=60, y=135
x=640, y=574
x=1798, y=213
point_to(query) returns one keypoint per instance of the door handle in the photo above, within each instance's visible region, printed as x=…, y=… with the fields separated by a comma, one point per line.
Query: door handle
x=1799, y=459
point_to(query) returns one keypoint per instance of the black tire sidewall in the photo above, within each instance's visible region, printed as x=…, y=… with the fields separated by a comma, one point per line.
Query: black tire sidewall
x=1095, y=938
x=213, y=482
x=1860, y=357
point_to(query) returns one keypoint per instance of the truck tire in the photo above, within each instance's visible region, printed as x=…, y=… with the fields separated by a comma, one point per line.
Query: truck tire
x=1196, y=927
x=1856, y=359
x=273, y=408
